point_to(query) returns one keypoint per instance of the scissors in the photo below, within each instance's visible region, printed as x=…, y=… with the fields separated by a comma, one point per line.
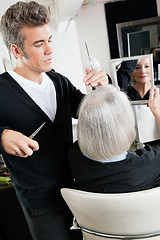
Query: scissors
x=36, y=131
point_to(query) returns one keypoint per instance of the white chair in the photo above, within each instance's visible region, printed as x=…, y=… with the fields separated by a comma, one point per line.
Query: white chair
x=99, y=216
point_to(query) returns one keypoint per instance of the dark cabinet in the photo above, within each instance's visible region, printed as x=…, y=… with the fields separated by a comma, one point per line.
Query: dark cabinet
x=13, y=224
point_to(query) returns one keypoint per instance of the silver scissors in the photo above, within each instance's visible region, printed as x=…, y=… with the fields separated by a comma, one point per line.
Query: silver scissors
x=36, y=131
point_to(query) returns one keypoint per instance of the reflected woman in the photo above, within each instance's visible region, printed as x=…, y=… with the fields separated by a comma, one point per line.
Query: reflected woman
x=124, y=72
x=141, y=81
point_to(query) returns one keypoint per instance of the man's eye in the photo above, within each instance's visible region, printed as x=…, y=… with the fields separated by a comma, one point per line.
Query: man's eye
x=38, y=45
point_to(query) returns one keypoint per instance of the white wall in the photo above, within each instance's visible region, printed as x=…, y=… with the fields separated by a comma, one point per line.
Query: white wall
x=158, y=7
x=89, y=25
x=91, y=28
x=5, y=5
x=67, y=54
x=69, y=44
x=3, y=50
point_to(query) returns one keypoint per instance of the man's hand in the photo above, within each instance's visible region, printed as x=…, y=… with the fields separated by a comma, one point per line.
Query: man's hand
x=93, y=79
x=17, y=144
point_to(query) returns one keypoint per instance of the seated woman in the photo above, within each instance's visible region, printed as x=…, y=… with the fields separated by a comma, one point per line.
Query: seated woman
x=101, y=160
x=141, y=81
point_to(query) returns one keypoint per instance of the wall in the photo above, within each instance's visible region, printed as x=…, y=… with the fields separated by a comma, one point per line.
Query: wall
x=3, y=50
x=89, y=25
x=91, y=28
x=67, y=54
x=158, y=7
x=5, y=5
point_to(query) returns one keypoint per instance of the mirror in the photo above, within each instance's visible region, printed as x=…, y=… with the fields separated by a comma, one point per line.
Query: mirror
x=138, y=37
x=135, y=76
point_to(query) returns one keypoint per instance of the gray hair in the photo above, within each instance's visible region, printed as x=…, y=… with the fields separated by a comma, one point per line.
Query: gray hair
x=18, y=16
x=106, y=123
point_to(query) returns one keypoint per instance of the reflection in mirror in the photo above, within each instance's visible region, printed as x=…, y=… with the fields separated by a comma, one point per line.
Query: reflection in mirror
x=138, y=37
x=135, y=76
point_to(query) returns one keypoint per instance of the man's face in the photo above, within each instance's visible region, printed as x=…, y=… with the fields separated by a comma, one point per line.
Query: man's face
x=37, y=49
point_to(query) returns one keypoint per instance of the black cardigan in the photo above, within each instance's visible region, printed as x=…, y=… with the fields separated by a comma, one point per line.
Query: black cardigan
x=134, y=95
x=38, y=178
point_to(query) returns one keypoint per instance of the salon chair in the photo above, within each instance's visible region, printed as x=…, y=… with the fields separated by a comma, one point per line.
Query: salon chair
x=134, y=215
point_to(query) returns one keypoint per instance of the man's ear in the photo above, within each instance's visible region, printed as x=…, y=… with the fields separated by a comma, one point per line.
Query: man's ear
x=16, y=51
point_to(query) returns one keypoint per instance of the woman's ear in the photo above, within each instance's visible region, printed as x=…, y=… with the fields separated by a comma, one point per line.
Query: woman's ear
x=16, y=51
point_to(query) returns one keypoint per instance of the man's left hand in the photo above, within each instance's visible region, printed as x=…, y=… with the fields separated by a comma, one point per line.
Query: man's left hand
x=93, y=79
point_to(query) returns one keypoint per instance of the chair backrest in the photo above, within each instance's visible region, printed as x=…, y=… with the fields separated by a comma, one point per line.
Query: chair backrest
x=122, y=214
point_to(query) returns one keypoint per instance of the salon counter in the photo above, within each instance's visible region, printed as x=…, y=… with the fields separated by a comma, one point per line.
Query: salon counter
x=12, y=221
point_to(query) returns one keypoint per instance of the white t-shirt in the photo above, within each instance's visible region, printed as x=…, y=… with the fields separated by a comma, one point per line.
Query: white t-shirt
x=44, y=94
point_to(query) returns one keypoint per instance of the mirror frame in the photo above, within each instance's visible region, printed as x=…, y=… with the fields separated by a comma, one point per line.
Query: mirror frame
x=114, y=75
x=132, y=24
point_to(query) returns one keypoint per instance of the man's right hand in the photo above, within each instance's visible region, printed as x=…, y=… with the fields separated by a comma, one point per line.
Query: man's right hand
x=17, y=144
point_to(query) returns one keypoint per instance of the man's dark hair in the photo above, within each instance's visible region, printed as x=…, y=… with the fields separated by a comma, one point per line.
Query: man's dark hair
x=18, y=16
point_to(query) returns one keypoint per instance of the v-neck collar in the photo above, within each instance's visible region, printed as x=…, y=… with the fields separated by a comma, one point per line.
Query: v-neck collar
x=21, y=91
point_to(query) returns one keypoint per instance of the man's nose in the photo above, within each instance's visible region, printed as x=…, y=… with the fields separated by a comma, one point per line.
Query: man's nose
x=48, y=49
